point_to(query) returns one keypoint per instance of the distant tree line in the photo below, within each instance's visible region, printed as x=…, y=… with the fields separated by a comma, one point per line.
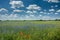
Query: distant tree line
x=38, y=20
x=0, y=20
x=49, y=20
x=57, y=20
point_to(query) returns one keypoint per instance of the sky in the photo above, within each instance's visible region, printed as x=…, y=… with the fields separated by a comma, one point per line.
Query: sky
x=29, y=9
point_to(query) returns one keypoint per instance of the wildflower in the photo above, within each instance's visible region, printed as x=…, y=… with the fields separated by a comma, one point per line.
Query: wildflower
x=21, y=33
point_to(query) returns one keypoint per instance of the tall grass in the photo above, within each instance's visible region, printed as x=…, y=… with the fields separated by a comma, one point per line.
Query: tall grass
x=29, y=30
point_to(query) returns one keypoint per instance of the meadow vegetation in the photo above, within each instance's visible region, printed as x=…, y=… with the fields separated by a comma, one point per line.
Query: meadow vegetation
x=29, y=30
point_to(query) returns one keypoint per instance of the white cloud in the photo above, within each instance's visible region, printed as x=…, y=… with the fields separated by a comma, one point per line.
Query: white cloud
x=56, y=5
x=9, y=17
x=47, y=18
x=12, y=15
x=33, y=17
x=54, y=1
x=34, y=11
x=16, y=17
x=33, y=7
x=51, y=10
x=41, y=12
x=49, y=13
x=24, y=17
x=16, y=4
x=3, y=11
x=56, y=13
x=58, y=10
x=31, y=12
x=40, y=15
x=16, y=10
x=30, y=17
x=45, y=10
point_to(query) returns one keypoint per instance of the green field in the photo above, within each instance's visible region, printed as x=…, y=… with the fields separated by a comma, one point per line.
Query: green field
x=29, y=30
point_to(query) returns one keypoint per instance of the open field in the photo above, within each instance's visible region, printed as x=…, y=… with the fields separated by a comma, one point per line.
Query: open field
x=29, y=30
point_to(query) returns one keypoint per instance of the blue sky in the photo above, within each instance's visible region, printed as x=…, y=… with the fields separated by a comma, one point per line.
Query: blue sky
x=29, y=9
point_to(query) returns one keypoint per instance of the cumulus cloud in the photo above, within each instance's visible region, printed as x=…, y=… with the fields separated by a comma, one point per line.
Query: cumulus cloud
x=34, y=11
x=9, y=17
x=47, y=18
x=31, y=12
x=33, y=7
x=40, y=15
x=41, y=12
x=24, y=17
x=56, y=13
x=33, y=17
x=17, y=10
x=54, y=1
x=58, y=10
x=30, y=17
x=56, y=5
x=16, y=4
x=51, y=10
x=16, y=17
x=49, y=13
x=3, y=11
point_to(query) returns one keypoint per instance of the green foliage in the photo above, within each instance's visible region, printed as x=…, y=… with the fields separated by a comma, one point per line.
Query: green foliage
x=30, y=30
x=57, y=20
